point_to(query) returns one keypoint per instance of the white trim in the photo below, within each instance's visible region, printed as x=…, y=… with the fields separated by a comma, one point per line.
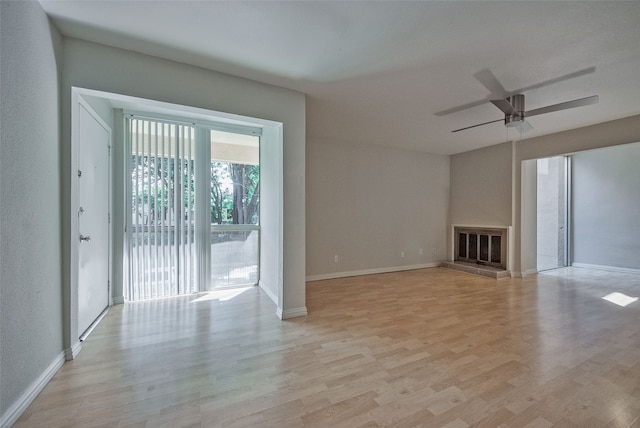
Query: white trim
x=607, y=268
x=292, y=313
x=149, y=106
x=524, y=274
x=234, y=227
x=202, y=182
x=71, y=353
x=94, y=324
x=481, y=226
x=17, y=409
x=516, y=220
x=268, y=292
x=568, y=214
x=118, y=300
x=335, y=275
x=95, y=115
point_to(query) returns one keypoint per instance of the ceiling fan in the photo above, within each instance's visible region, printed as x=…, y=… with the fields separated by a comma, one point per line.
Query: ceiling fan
x=515, y=114
x=512, y=103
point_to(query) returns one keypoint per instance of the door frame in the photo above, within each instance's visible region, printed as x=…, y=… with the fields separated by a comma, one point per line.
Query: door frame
x=71, y=314
x=565, y=206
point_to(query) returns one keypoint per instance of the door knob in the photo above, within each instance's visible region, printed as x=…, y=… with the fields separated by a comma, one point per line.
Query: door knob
x=84, y=238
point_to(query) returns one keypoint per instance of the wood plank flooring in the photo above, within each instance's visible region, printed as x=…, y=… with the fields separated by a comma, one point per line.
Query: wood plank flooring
x=430, y=348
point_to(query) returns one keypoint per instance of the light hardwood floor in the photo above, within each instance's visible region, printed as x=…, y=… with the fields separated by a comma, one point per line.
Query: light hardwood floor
x=432, y=348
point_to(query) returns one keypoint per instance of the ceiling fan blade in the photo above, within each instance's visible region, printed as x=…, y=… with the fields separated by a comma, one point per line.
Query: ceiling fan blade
x=489, y=81
x=460, y=108
x=505, y=106
x=555, y=80
x=563, y=106
x=480, y=124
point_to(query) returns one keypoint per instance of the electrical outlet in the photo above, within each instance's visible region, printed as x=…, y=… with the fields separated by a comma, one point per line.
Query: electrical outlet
x=421, y=251
x=336, y=259
x=402, y=254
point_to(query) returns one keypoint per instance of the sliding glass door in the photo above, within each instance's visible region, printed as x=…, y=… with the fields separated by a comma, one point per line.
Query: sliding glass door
x=235, y=208
x=193, y=204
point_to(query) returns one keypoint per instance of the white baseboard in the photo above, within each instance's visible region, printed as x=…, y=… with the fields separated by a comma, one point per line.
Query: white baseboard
x=118, y=300
x=268, y=292
x=71, y=353
x=286, y=314
x=17, y=409
x=335, y=275
x=292, y=313
x=524, y=274
x=607, y=268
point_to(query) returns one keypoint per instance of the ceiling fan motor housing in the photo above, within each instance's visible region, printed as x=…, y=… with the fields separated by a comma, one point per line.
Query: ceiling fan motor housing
x=517, y=102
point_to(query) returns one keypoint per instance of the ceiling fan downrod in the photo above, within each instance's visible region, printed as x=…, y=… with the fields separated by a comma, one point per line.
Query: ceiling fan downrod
x=517, y=116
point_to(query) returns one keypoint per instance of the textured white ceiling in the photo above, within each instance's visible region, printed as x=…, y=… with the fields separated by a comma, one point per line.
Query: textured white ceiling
x=376, y=72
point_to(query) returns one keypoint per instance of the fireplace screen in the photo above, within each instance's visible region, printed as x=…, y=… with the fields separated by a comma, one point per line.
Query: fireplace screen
x=484, y=248
x=496, y=249
x=480, y=246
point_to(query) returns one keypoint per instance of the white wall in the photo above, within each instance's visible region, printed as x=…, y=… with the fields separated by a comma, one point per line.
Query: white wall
x=367, y=204
x=271, y=214
x=118, y=207
x=482, y=190
x=30, y=274
x=606, y=207
x=481, y=186
x=529, y=207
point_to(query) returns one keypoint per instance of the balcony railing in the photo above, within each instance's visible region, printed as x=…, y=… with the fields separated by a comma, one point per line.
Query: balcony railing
x=163, y=260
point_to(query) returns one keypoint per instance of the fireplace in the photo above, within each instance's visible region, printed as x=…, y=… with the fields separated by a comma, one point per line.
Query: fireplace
x=481, y=245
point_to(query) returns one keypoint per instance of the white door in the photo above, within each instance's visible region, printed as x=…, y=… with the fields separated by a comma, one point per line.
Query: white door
x=93, y=217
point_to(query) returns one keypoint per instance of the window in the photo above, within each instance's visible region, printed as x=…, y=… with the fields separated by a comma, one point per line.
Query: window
x=235, y=208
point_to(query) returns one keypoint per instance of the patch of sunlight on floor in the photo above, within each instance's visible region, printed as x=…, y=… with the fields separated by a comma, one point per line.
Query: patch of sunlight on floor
x=221, y=295
x=620, y=299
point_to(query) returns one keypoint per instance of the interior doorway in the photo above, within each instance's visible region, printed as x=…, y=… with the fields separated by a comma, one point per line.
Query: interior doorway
x=553, y=185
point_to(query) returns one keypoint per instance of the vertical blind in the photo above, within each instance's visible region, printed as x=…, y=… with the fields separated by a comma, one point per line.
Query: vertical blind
x=161, y=226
